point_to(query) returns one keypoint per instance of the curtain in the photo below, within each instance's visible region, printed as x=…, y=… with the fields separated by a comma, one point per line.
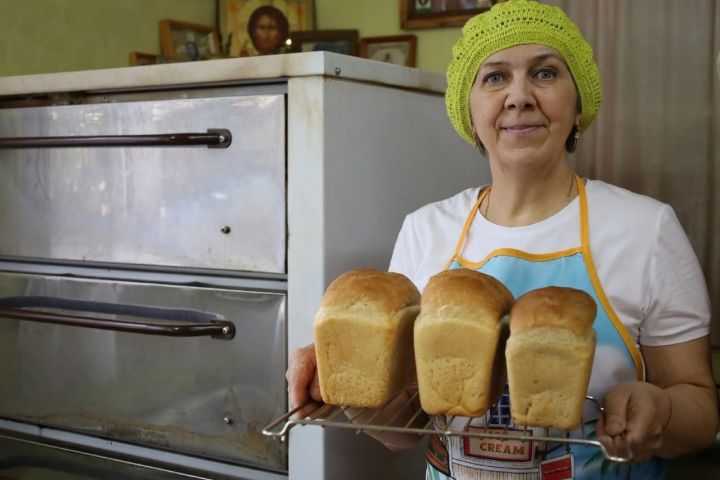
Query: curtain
x=658, y=130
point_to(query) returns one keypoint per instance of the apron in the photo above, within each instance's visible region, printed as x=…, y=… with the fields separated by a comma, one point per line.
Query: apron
x=617, y=359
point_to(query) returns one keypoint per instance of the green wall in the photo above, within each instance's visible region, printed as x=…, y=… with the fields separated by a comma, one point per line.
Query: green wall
x=42, y=36
x=39, y=36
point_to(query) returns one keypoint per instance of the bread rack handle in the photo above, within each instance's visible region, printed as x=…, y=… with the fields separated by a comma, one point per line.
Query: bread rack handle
x=323, y=415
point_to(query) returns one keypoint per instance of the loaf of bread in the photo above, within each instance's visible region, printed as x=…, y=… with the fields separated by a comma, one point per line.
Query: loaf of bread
x=364, y=338
x=459, y=342
x=549, y=356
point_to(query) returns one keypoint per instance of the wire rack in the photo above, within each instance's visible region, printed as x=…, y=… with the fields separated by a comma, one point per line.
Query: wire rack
x=410, y=419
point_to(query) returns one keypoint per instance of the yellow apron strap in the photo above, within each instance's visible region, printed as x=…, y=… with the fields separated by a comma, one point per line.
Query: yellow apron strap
x=466, y=227
x=585, y=246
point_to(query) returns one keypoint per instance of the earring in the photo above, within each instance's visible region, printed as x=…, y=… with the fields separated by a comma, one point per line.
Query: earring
x=572, y=141
x=477, y=143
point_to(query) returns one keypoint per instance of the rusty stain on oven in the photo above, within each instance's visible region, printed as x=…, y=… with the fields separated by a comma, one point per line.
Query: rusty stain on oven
x=251, y=446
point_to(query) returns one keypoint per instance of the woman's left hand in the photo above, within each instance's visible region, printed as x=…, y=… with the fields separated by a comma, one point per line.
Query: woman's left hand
x=636, y=414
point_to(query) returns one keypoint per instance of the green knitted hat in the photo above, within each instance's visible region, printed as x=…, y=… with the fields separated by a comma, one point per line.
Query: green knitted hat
x=519, y=22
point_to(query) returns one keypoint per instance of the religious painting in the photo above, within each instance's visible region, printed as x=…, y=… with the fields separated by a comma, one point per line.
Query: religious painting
x=262, y=27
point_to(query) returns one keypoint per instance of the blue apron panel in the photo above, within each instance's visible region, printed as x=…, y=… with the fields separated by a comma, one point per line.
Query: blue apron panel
x=521, y=276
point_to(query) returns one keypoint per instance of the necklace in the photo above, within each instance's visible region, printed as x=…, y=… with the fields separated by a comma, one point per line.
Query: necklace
x=568, y=197
x=487, y=203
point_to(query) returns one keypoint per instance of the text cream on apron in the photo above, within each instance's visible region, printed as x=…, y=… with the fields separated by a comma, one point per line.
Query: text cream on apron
x=457, y=457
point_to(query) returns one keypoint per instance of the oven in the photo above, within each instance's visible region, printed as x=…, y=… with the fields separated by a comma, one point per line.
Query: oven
x=166, y=235
x=143, y=285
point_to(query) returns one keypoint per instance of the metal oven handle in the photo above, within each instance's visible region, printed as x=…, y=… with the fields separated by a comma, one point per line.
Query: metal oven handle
x=213, y=138
x=187, y=323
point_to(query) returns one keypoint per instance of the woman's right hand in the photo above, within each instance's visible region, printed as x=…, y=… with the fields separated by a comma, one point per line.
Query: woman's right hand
x=303, y=384
x=302, y=376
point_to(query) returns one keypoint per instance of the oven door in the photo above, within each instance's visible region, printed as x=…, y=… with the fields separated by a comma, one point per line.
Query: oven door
x=128, y=183
x=186, y=369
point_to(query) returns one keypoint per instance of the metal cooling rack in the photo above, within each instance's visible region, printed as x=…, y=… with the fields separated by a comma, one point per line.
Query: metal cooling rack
x=409, y=418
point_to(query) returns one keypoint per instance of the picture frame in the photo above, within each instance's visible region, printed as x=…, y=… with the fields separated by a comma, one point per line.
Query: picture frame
x=261, y=27
x=417, y=14
x=186, y=41
x=395, y=49
x=141, y=58
x=345, y=42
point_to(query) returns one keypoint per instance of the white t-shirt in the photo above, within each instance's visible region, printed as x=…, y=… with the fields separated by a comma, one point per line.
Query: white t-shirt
x=643, y=258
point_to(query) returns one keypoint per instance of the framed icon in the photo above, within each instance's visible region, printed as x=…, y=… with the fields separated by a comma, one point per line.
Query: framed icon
x=345, y=42
x=262, y=27
x=396, y=49
x=185, y=41
x=416, y=14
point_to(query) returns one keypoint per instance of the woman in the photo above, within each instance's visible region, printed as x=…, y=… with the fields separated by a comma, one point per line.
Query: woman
x=522, y=87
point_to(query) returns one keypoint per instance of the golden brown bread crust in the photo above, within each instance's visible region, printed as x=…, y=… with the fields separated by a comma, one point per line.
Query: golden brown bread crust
x=364, y=338
x=557, y=307
x=381, y=292
x=549, y=356
x=466, y=291
x=459, y=342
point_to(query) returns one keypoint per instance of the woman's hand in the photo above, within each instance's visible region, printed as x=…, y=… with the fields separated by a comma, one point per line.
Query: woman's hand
x=636, y=415
x=675, y=413
x=303, y=384
x=302, y=376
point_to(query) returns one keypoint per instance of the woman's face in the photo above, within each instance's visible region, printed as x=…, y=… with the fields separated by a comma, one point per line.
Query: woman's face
x=523, y=105
x=266, y=34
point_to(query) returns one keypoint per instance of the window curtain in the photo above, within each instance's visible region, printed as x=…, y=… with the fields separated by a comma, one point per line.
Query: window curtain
x=658, y=130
